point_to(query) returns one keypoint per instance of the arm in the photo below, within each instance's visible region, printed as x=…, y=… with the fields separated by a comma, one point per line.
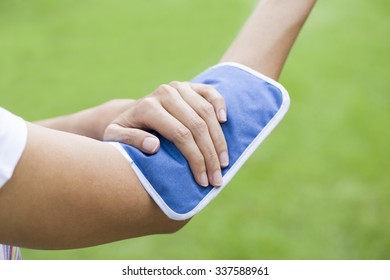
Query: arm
x=187, y=114
x=70, y=191
x=90, y=122
x=267, y=37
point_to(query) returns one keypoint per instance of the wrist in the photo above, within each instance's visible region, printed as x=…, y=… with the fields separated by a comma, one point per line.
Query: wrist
x=98, y=118
x=90, y=122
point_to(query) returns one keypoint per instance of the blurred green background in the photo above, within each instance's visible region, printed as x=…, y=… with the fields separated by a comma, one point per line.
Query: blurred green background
x=319, y=186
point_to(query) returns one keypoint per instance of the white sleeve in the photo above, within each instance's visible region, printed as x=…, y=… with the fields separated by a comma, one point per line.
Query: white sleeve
x=13, y=138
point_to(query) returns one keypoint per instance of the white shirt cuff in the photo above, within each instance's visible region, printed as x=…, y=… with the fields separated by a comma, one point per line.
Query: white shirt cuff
x=13, y=138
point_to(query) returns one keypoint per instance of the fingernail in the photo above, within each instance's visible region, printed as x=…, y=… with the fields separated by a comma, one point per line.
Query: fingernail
x=222, y=115
x=224, y=159
x=204, y=182
x=217, y=178
x=150, y=144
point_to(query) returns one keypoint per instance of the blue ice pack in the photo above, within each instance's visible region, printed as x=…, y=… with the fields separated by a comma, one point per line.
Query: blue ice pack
x=255, y=105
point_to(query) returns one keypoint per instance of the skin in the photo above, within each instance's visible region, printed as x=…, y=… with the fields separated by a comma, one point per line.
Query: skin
x=80, y=192
x=269, y=34
x=187, y=114
x=73, y=191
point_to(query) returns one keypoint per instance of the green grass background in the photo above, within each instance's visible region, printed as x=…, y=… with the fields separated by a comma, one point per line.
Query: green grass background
x=318, y=188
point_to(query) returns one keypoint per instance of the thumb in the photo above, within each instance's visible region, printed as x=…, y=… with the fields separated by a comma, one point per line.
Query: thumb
x=137, y=138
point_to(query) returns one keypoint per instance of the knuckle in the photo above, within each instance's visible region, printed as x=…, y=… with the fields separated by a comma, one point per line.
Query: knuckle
x=207, y=109
x=220, y=143
x=166, y=91
x=145, y=109
x=174, y=84
x=180, y=86
x=161, y=90
x=198, y=161
x=198, y=125
x=109, y=132
x=128, y=139
x=147, y=103
x=218, y=98
x=182, y=134
x=212, y=158
x=125, y=136
x=207, y=88
x=212, y=93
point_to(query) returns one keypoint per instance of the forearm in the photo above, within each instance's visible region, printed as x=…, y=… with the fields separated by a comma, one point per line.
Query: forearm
x=90, y=122
x=267, y=37
x=70, y=192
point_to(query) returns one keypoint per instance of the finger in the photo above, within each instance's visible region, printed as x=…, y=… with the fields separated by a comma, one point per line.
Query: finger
x=177, y=107
x=173, y=130
x=137, y=138
x=205, y=110
x=214, y=97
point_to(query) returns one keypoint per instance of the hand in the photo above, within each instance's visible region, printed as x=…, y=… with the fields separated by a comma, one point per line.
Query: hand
x=189, y=115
